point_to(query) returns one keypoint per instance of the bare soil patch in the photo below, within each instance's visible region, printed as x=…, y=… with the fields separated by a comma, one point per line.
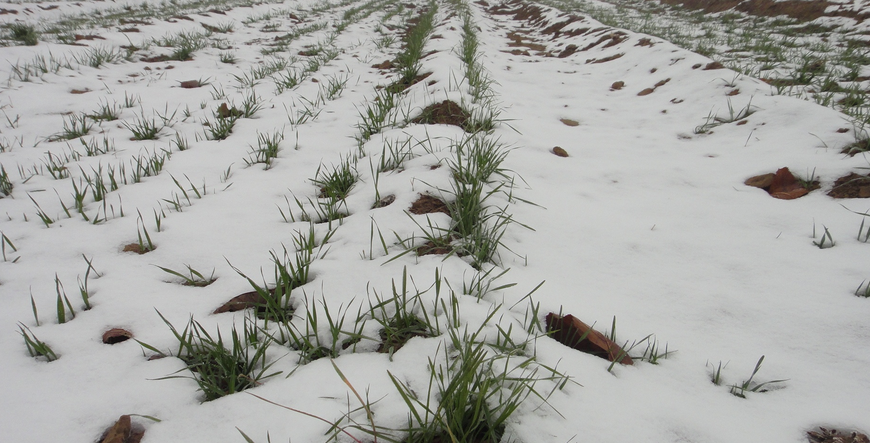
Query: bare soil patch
x=427, y=204
x=851, y=186
x=444, y=113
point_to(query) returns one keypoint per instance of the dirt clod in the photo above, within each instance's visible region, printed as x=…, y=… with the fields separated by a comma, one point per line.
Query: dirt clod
x=444, y=113
x=616, y=86
x=572, y=332
x=560, y=152
x=427, y=204
x=569, y=122
x=123, y=431
x=386, y=201
x=851, y=186
x=116, y=335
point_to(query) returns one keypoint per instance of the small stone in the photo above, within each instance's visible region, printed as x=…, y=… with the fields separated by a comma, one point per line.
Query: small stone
x=646, y=91
x=569, y=122
x=616, y=86
x=560, y=152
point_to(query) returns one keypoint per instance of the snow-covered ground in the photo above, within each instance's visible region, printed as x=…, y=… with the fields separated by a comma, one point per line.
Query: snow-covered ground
x=647, y=221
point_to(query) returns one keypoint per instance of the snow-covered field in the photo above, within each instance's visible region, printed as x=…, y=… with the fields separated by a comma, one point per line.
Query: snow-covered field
x=646, y=225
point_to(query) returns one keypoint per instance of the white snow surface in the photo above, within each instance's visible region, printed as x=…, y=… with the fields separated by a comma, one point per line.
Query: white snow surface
x=645, y=221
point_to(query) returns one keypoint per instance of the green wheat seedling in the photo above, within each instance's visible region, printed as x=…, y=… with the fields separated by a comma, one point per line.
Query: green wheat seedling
x=308, y=112
x=143, y=128
x=218, y=370
x=55, y=164
x=191, y=277
x=476, y=394
x=287, y=80
x=749, y=386
x=7, y=145
x=863, y=290
x=43, y=216
x=23, y=33
x=266, y=151
x=332, y=87
x=653, y=352
x=35, y=347
x=74, y=126
x=83, y=283
x=145, y=244
x=106, y=112
x=148, y=164
x=98, y=147
x=394, y=154
x=98, y=56
x=63, y=303
x=826, y=241
x=290, y=272
x=221, y=128
x=398, y=316
x=5, y=184
x=251, y=104
x=307, y=339
x=337, y=183
x=228, y=58
x=4, y=242
x=716, y=373
x=476, y=159
x=378, y=114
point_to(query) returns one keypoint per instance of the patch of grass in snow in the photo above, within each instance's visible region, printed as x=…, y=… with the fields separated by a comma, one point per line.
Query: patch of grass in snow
x=191, y=277
x=36, y=347
x=266, y=151
x=23, y=33
x=74, y=126
x=748, y=385
x=217, y=369
x=402, y=317
x=5, y=184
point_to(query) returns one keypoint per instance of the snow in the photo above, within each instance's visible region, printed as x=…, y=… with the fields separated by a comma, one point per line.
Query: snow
x=645, y=222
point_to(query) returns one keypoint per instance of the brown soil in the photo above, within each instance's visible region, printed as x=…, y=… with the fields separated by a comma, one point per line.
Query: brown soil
x=431, y=248
x=241, y=302
x=394, y=343
x=616, y=86
x=831, y=435
x=605, y=59
x=518, y=41
x=134, y=247
x=797, y=9
x=123, y=431
x=386, y=201
x=427, y=204
x=116, y=335
x=857, y=147
x=851, y=186
x=444, y=113
x=572, y=332
x=570, y=49
x=190, y=84
x=401, y=85
x=385, y=65
x=783, y=184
